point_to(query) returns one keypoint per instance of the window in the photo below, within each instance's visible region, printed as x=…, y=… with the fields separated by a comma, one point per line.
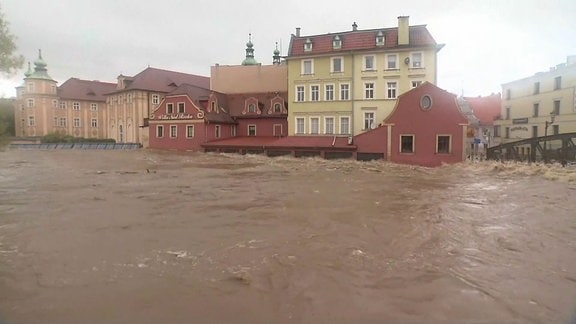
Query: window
x=369, y=120
x=31, y=121
x=169, y=108
x=392, y=62
x=535, y=110
x=507, y=132
x=308, y=45
x=30, y=103
x=94, y=106
x=329, y=125
x=534, y=131
x=75, y=106
x=213, y=106
x=329, y=92
x=217, y=131
x=62, y=122
x=369, y=63
x=314, y=125
x=556, y=107
x=62, y=105
x=251, y=130
x=380, y=40
x=155, y=99
x=536, y=87
x=497, y=131
x=120, y=99
x=181, y=108
x=555, y=129
x=299, y=93
x=129, y=98
x=416, y=84
x=314, y=92
x=55, y=121
x=426, y=102
x=277, y=107
x=443, y=144
x=30, y=87
x=507, y=113
x=307, y=67
x=54, y=103
x=94, y=123
x=417, y=60
x=300, y=125
x=173, y=131
x=344, y=91
x=406, y=143
x=189, y=131
x=391, y=93
x=232, y=130
x=369, y=90
x=557, y=83
x=76, y=122
x=337, y=65
x=508, y=94
x=344, y=125
x=336, y=42
x=159, y=131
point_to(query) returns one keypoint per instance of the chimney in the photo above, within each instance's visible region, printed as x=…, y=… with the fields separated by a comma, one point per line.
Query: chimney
x=354, y=27
x=297, y=31
x=403, y=30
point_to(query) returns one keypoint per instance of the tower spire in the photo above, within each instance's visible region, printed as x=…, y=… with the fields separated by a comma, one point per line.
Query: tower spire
x=249, y=60
x=276, y=56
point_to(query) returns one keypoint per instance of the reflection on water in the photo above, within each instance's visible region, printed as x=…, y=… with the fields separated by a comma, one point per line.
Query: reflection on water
x=151, y=236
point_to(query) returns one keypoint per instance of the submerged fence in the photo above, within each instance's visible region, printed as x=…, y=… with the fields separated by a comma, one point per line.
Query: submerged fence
x=76, y=146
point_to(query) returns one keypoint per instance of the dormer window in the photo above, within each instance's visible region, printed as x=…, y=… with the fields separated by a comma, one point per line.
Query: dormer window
x=380, y=39
x=251, y=108
x=213, y=106
x=277, y=107
x=308, y=45
x=336, y=42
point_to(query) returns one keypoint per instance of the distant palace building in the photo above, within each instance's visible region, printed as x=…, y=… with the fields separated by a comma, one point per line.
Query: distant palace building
x=542, y=104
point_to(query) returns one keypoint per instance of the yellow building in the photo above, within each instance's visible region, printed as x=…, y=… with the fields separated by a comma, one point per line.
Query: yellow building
x=347, y=82
x=539, y=105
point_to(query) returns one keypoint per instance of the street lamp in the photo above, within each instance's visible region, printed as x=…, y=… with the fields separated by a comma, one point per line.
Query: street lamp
x=546, y=125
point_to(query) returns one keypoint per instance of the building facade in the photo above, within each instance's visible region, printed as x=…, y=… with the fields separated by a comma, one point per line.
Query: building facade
x=539, y=105
x=346, y=83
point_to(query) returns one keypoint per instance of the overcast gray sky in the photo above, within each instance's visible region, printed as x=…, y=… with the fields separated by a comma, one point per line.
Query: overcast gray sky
x=488, y=42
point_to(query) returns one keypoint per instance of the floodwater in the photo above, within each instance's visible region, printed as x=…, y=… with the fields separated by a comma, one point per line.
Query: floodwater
x=156, y=237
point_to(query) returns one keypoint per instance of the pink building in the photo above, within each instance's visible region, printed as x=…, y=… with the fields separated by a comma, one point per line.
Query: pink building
x=425, y=128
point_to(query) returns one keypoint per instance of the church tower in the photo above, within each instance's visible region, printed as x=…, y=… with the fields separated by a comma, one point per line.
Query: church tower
x=249, y=60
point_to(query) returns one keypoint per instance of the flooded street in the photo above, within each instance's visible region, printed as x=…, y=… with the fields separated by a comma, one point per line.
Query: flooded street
x=152, y=237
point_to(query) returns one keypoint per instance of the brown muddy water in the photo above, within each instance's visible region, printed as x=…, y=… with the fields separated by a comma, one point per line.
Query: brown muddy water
x=151, y=237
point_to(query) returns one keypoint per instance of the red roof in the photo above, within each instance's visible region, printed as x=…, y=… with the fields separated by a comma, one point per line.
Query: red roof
x=299, y=142
x=76, y=89
x=359, y=40
x=152, y=79
x=486, y=109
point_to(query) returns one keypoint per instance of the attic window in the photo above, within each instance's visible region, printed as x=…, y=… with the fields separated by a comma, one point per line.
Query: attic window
x=380, y=39
x=252, y=108
x=308, y=45
x=277, y=107
x=337, y=42
x=212, y=106
x=426, y=102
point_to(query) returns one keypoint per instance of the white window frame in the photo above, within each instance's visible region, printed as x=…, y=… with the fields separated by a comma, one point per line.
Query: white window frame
x=188, y=132
x=369, y=120
x=417, y=64
x=94, y=122
x=413, y=144
x=277, y=111
x=326, y=131
x=303, y=67
x=332, y=65
x=54, y=103
x=365, y=66
x=251, y=126
x=30, y=103
x=392, y=90
x=55, y=122
x=94, y=106
x=369, y=90
x=314, y=92
x=308, y=45
x=62, y=105
x=183, y=105
x=342, y=92
x=217, y=131
x=76, y=122
x=416, y=83
x=252, y=108
x=159, y=131
x=449, y=143
x=388, y=61
x=173, y=131
x=62, y=122
x=300, y=95
x=75, y=105
x=317, y=119
x=329, y=94
x=296, y=125
x=347, y=125
x=31, y=121
x=155, y=99
x=169, y=108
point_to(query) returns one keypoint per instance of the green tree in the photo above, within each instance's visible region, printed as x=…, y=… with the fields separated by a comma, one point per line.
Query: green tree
x=9, y=61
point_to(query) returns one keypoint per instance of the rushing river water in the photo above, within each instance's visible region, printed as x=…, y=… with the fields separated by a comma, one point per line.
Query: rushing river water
x=152, y=237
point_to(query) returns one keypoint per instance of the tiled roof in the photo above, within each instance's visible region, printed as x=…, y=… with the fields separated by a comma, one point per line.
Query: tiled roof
x=237, y=102
x=76, y=89
x=200, y=97
x=300, y=142
x=486, y=109
x=152, y=79
x=359, y=40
